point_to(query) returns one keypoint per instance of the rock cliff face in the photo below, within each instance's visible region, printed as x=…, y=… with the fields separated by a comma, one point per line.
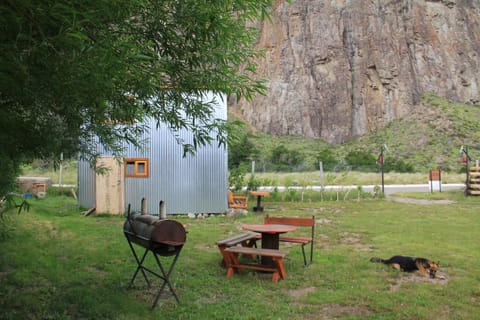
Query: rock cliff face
x=338, y=69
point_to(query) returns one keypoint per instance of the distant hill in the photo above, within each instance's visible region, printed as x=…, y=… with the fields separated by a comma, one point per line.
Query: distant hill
x=428, y=137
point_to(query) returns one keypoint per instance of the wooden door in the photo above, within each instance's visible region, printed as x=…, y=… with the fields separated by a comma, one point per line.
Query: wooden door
x=109, y=187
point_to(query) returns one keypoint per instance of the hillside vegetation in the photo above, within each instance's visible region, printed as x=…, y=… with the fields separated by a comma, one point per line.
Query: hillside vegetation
x=429, y=137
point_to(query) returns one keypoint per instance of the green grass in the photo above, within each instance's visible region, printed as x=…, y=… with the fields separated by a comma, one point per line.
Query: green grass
x=453, y=195
x=44, y=169
x=349, y=178
x=58, y=264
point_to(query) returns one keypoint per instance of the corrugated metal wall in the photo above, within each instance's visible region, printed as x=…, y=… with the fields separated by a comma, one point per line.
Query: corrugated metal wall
x=86, y=185
x=192, y=184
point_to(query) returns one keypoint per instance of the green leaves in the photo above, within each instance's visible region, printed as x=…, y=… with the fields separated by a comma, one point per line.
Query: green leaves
x=71, y=68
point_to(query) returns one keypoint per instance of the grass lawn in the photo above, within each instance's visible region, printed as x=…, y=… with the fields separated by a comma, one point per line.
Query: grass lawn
x=57, y=264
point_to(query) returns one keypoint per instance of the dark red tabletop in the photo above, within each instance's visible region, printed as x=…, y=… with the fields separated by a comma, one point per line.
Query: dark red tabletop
x=269, y=228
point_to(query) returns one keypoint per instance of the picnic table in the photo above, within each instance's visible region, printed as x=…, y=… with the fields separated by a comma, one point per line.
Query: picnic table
x=271, y=257
x=259, y=195
x=270, y=236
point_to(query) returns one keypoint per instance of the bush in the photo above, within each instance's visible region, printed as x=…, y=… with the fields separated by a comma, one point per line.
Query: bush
x=236, y=179
x=285, y=160
x=240, y=151
x=361, y=161
x=253, y=183
x=398, y=166
x=328, y=159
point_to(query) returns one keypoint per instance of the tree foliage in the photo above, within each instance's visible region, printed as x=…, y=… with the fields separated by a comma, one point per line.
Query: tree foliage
x=241, y=150
x=284, y=159
x=71, y=69
x=328, y=159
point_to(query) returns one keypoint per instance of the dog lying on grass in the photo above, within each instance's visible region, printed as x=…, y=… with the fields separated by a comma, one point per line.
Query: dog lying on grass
x=424, y=266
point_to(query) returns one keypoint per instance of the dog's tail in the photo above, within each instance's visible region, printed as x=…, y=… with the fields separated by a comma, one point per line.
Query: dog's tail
x=375, y=259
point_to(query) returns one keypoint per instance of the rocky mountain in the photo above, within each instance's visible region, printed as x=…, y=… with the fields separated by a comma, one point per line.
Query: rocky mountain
x=338, y=69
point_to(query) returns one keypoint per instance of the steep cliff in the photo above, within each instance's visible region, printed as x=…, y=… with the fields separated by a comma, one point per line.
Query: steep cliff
x=338, y=69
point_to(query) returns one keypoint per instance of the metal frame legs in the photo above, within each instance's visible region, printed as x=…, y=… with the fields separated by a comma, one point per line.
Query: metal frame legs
x=165, y=276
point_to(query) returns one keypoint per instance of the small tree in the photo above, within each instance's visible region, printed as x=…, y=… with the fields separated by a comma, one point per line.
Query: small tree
x=284, y=159
x=240, y=150
x=236, y=179
x=328, y=159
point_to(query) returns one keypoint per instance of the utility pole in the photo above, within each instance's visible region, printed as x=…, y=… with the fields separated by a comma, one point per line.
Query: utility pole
x=383, y=173
x=380, y=161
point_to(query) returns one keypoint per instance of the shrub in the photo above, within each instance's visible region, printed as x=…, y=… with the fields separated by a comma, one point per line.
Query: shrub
x=240, y=151
x=283, y=159
x=398, y=165
x=236, y=179
x=361, y=161
x=328, y=159
x=253, y=183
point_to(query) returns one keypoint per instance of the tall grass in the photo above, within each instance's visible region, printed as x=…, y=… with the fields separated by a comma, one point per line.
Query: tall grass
x=68, y=174
x=349, y=178
x=58, y=264
x=314, y=178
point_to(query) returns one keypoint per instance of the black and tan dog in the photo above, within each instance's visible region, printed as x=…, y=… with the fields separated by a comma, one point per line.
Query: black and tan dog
x=424, y=266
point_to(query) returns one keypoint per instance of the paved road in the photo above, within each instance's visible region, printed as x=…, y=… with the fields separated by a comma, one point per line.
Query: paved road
x=389, y=189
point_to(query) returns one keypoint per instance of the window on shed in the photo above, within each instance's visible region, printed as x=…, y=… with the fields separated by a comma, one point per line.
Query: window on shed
x=136, y=167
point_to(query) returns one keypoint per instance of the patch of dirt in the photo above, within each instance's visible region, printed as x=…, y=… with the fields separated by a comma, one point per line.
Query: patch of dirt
x=419, y=201
x=354, y=240
x=333, y=311
x=323, y=221
x=322, y=242
x=349, y=238
x=301, y=292
x=415, y=278
x=316, y=210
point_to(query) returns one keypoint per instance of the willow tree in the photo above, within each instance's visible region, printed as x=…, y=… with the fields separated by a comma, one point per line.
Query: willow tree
x=71, y=68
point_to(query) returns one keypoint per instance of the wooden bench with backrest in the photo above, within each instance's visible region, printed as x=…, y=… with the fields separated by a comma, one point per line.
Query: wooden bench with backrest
x=302, y=240
x=235, y=265
x=237, y=201
x=245, y=240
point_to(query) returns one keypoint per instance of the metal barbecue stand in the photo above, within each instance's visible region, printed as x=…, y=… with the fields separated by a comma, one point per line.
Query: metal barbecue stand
x=161, y=237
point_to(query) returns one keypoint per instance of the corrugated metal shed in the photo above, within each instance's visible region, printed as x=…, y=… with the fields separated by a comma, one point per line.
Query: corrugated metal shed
x=86, y=184
x=192, y=184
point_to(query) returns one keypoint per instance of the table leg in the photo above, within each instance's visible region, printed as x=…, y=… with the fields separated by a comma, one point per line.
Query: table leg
x=259, y=206
x=269, y=241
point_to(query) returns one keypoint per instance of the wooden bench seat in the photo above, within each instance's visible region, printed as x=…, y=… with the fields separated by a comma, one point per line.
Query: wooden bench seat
x=299, y=240
x=302, y=240
x=245, y=240
x=234, y=265
x=237, y=201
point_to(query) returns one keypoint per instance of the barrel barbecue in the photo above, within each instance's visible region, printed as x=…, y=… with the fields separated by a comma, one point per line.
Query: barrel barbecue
x=161, y=237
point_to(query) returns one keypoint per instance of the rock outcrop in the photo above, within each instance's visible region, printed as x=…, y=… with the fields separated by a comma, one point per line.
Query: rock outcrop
x=337, y=69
